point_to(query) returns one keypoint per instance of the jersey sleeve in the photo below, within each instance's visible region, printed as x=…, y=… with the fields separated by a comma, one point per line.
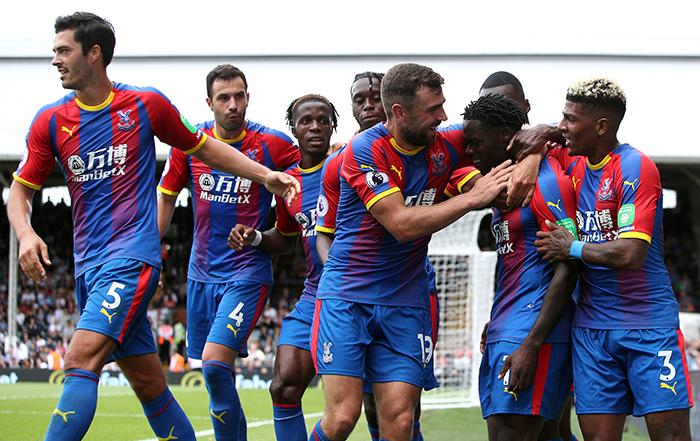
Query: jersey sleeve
x=285, y=223
x=329, y=194
x=283, y=151
x=171, y=127
x=561, y=155
x=367, y=172
x=175, y=173
x=38, y=158
x=459, y=179
x=641, y=190
x=554, y=199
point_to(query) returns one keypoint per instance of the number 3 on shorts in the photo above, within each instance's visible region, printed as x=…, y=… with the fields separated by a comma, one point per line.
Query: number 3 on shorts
x=236, y=314
x=115, y=295
x=667, y=364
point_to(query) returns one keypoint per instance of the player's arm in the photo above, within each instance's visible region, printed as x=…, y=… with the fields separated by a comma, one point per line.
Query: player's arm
x=32, y=249
x=272, y=240
x=410, y=223
x=522, y=363
x=323, y=245
x=556, y=245
x=166, y=208
x=221, y=156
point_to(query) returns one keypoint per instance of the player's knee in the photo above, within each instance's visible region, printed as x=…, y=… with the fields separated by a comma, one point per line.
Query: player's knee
x=147, y=387
x=284, y=391
x=403, y=422
x=341, y=425
x=77, y=359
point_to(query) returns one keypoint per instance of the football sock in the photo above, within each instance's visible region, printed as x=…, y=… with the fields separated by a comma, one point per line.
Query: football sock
x=72, y=416
x=167, y=419
x=289, y=422
x=224, y=404
x=317, y=434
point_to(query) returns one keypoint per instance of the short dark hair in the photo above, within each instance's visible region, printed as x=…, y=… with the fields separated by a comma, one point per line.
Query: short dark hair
x=601, y=93
x=496, y=111
x=503, y=78
x=370, y=77
x=294, y=105
x=90, y=30
x=402, y=82
x=224, y=72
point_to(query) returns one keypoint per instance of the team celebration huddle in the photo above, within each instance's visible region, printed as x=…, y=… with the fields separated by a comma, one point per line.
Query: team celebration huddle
x=583, y=311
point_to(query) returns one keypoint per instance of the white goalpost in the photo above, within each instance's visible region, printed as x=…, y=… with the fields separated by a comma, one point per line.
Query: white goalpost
x=465, y=287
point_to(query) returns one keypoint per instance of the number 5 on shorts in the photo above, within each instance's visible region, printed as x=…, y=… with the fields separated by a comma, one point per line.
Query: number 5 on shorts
x=115, y=295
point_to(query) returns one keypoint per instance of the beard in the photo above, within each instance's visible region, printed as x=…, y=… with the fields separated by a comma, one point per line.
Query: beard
x=417, y=137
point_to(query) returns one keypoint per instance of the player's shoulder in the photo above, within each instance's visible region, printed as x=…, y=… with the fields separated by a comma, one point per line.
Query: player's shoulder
x=206, y=127
x=633, y=160
x=294, y=170
x=373, y=138
x=143, y=91
x=268, y=133
x=50, y=109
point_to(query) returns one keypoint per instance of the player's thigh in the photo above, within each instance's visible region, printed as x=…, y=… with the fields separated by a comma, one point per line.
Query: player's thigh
x=600, y=373
x=238, y=311
x=145, y=375
x=402, y=347
x=514, y=427
x=202, y=301
x=670, y=425
x=602, y=427
x=293, y=368
x=340, y=337
x=343, y=396
x=115, y=298
x=88, y=350
x=545, y=397
x=396, y=398
x=657, y=369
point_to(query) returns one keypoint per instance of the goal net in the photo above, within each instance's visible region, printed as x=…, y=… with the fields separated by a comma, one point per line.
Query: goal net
x=465, y=287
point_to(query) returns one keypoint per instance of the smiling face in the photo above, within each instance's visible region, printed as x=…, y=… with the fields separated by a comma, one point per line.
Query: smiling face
x=74, y=67
x=229, y=102
x=418, y=123
x=580, y=126
x=486, y=144
x=313, y=127
x=367, y=102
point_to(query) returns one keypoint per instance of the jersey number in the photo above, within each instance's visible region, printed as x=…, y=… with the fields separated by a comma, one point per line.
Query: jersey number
x=506, y=377
x=237, y=315
x=426, y=347
x=667, y=364
x=115, y=295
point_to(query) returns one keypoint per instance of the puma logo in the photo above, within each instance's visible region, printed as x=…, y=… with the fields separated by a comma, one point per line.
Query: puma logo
x=62, y=414
x=397, y=170
x=235, y=331
x=575, y=181
x=68, y=131
x=170, y=435
x=108, y=315
x=671, y=388
x=632, y=184
x=552, y=204
x=515, y=396
x=219, y=417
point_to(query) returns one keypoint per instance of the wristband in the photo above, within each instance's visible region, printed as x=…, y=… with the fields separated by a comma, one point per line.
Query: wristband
x=576, y=249
x=258, y=238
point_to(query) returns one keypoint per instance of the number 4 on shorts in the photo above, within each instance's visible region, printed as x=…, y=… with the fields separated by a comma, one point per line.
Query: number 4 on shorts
x=237, y=315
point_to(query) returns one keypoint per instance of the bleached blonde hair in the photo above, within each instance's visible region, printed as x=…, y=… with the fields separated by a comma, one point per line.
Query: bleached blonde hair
x=600, y=92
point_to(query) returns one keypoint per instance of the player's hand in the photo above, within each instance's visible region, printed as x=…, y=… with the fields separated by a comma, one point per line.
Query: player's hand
x=32, y=252
x=282, y=184
x=482, y=343
x=533, y=140
x=521, y=185
x=491, y=184
x=501, y=202
x=522, y=365
x=241, y=236
x=554, y=245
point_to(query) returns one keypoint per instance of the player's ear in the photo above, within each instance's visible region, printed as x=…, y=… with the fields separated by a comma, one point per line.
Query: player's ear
x=601, y=126
x=397, y=110
x=210, y=103
x=94, y=54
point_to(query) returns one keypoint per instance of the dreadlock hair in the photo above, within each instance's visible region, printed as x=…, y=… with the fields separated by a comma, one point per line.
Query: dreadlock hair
x=90, y=30
x=496, y=111
x=502, y=78
x=294, y=105
x=600, y=93
x=371, y=76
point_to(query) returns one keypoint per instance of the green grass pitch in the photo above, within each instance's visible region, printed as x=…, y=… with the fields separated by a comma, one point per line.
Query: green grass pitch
x=25, y=410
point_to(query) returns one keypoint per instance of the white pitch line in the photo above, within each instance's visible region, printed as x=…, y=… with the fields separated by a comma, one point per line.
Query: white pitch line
x=252, y=425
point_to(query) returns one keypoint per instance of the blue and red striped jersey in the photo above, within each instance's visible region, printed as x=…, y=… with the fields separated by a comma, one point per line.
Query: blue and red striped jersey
x=366, y=264
x=220, y=201
x=107, y=155
x=621, y=198
x=522, y=276
x=300, y=218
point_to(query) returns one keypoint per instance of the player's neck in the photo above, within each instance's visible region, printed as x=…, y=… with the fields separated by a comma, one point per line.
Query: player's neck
x=602, y=151
x=96, y=91
x=311, y=160
x=229, y=134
